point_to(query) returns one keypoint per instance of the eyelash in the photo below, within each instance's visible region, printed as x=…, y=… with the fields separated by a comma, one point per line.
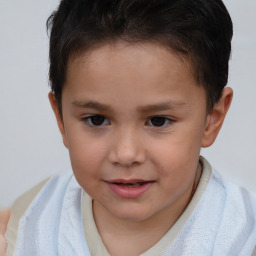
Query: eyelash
x=105, y=121
x=167, y=121
x=88, y=120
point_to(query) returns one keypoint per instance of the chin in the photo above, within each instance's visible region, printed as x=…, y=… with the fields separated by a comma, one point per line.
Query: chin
x=131, y=214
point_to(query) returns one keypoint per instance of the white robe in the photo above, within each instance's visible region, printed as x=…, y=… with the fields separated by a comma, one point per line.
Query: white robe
x=222, y=224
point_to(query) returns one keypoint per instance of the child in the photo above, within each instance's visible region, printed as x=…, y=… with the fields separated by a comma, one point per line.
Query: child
x=138, y=87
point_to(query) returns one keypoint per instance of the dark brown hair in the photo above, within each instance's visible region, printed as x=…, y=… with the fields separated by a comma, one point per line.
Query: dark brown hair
x=200, y=30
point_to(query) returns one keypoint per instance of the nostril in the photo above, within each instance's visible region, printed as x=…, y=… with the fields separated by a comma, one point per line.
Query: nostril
x=126, y=151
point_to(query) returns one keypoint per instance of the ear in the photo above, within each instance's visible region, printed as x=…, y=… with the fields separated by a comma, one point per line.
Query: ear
x=58, y=117
x=216, y=118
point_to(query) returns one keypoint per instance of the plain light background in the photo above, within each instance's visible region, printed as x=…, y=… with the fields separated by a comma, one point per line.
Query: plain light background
x=31, y=148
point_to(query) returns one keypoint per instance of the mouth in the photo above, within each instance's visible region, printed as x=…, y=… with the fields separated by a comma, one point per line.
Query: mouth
x=130, y=184
x=129, y=188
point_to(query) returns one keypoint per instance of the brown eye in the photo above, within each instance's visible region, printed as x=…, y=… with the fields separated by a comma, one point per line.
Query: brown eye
x=159, y=121
x=97, y=120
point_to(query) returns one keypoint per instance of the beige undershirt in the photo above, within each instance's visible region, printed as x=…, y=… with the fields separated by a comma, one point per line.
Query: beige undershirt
x=93, y=238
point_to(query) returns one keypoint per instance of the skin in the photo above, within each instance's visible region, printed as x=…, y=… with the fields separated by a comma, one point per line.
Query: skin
x=128, y=84
x=4, y=217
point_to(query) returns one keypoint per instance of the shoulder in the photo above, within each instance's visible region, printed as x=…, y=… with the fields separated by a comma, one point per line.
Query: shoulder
x=18, y=209
x=238, y=214
x=233, y=193
x=237, y=196
x=22, y=204
x=238, y=201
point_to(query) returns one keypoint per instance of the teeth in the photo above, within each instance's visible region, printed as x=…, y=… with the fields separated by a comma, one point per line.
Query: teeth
x=130, y=185
x=134, y=185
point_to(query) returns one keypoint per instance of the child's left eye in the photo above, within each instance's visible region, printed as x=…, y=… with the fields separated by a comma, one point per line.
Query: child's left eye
x=159, y=121
x=96, y=120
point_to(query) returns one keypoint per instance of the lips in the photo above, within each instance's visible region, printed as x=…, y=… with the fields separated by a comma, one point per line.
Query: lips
x=130, y=185
x=129, y=188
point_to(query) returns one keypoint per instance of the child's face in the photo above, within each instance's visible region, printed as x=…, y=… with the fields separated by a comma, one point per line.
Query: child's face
x=134, y=121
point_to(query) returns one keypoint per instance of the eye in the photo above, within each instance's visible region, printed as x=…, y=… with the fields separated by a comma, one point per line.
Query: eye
x=96, y=120
x=159, y=121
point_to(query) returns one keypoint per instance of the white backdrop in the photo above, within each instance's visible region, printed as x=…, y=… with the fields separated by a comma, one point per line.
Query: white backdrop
x=30, y=145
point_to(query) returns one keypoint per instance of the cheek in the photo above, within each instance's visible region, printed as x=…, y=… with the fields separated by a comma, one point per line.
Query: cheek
x=87, y=157
x=177, y=159
x=177, y=150
x=178, y=170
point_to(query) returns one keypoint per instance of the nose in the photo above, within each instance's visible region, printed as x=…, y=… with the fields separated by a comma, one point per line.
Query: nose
x=127, y=149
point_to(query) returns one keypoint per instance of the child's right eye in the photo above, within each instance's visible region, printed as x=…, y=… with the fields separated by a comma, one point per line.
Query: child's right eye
x=96, y=120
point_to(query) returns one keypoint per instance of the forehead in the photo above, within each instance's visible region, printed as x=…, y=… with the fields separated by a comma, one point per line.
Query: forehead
x=143, y=69
x=137, y=55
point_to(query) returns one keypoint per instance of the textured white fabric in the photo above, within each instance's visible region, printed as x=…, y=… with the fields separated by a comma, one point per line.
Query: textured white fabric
x=53, y=223
x=222, y=224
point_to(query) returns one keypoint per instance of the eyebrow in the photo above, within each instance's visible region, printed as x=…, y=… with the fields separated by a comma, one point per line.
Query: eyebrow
x=92, y=105
x=168, y=105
